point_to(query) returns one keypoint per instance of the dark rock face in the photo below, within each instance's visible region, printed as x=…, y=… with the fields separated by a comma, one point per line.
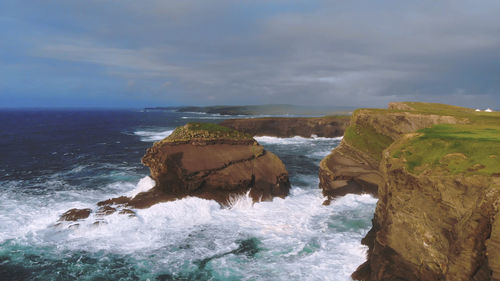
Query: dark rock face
x=289, y=127
x=206, y=161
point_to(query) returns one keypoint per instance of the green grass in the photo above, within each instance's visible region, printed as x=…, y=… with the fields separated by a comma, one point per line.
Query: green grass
x=468, y=149
x=438, y=108
x=367, y=140
x=205, y=131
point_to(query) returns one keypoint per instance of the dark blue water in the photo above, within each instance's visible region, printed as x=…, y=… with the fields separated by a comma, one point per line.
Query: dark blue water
x=53, y=160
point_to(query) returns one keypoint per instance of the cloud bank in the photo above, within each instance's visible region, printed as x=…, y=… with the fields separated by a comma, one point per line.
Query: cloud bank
x=139, y=53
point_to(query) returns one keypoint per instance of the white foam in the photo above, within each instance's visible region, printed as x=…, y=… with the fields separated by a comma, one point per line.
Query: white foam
x=294, y=232
x=241, y=202
x=206, y=117
x=293, y=140
x=144, y=184
x=152, y=136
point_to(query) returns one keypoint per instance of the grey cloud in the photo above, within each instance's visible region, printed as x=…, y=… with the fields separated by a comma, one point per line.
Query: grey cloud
x=362, y=53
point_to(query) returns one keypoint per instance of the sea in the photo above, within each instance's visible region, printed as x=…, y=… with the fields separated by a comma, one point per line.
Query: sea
x=55, y=160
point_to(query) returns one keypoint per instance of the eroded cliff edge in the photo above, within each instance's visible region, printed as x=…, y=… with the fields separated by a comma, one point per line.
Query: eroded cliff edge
x=283, y=127
x=436, y=171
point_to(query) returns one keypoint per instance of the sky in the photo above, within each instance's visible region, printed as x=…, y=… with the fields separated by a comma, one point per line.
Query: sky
x=129, y=53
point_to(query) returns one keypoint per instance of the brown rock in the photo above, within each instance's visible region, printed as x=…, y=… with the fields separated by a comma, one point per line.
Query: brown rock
x=75, y=214
x=216, y=168
x=105, y=210
x=289, y=127
x=347, y=170
x=127, y=212
x=206, y=161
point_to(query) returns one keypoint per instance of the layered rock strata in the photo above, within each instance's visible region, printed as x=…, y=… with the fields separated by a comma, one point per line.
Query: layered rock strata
x=206, y=161
x=330, y=126
x=437, y=217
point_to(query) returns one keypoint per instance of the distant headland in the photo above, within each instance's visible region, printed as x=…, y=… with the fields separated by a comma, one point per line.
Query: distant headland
x=265, y=109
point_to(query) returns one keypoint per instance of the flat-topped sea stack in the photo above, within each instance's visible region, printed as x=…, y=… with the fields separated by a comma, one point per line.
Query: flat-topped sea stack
x=284, y=127
x=436, y=171
x=203, y=160
x=215, y=162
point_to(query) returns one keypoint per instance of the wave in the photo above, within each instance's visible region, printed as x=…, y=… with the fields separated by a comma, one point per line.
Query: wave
x=296, y=233
x=205, y=118
x=145, y=184
x=293, y=140
x=152, y=136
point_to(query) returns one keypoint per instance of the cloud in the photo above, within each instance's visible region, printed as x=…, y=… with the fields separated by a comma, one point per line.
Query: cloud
x=307, y=52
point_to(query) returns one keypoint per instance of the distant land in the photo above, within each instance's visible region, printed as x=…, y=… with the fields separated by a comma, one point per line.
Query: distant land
x=266, y=109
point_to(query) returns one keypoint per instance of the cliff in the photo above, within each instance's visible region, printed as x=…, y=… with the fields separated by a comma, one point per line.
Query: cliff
x=436, y=171
x=329, y=126
x=203, y=160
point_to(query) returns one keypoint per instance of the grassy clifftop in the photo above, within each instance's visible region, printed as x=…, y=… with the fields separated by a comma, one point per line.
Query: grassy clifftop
x=205, y=131
x=468, y=149
x=468, y=142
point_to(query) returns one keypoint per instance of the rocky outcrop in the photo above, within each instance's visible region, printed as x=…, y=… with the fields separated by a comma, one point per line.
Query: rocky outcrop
x=206, y=161
x=330, y=126
x=215, y=165
x=431, y=222
x=348, y=170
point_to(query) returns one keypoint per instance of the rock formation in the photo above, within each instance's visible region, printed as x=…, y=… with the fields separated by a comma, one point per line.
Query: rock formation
x=214, y=162
x=203, y=160
x=329, y=126
x=437, y=217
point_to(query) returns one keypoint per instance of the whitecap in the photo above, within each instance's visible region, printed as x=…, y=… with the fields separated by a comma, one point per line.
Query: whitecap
x=293, y=140
x=144, y=184
x=153, y=135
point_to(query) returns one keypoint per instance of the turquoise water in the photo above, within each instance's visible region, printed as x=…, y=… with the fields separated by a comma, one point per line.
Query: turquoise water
x=296, y=238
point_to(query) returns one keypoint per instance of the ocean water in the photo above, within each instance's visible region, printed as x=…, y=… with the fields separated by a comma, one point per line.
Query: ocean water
x=51, y=161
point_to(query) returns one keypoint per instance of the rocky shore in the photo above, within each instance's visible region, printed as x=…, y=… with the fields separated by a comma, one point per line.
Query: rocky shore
x=203, y=160
x=436, y=171
x=284, y=127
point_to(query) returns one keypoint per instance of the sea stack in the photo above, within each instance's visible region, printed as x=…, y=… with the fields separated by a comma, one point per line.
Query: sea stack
x=202, y=160
x=215, y=162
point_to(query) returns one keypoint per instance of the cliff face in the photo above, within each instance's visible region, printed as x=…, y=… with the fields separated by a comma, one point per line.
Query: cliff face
x=290, y=127
x=206, y=161
x=438, y=188
x=432, y=226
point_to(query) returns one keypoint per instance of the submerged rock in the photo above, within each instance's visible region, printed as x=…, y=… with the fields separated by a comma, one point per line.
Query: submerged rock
x=207, y=161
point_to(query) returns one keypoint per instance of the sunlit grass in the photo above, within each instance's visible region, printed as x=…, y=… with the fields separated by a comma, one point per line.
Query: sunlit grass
x=470, y=148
